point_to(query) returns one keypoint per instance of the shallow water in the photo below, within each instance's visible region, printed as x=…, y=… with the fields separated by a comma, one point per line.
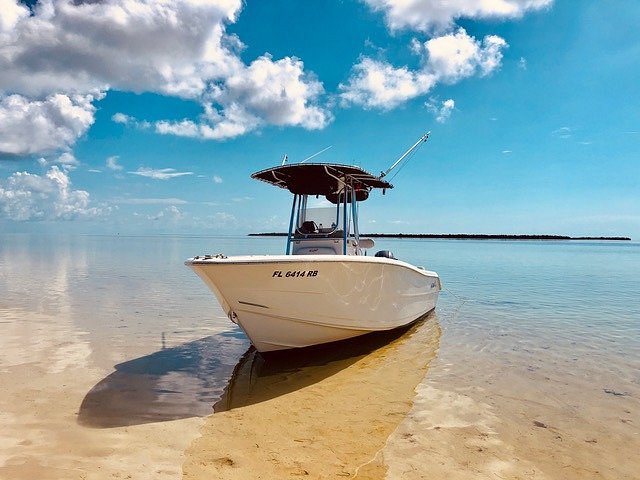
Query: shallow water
x=519, y=319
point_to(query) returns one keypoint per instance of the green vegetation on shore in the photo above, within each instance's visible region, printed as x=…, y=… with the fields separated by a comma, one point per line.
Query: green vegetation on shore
x=462, y=236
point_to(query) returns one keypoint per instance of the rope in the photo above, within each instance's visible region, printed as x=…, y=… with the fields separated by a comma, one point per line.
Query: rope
x=461, y=300
x=404, y=164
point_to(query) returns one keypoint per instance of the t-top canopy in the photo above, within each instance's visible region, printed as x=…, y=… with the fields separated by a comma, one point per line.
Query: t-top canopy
x=320, y=179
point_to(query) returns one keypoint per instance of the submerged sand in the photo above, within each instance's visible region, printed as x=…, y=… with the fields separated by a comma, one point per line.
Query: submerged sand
x=304, y=422
x=45, y=372
x=531, y=415
x=398, y=413
x=416, y=406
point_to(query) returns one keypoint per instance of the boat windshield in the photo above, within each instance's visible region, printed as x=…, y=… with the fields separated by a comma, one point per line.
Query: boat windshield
x=319, y=220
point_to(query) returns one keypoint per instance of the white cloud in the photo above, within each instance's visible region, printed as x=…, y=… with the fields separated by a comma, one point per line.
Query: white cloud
x=442, y=110
x=217, y=179
x=159, y=174
x=121, y=118
x=448, y=58
x=183, y=128
x=455, y=56
x=278, y=92
x=67, y=160
x=130, y=121
x=265, y=92
x=34, y=126
x=376, y=84
x=171, y=47
x=112, y=163
x=74, y=50
x=438, y=15
x=25, y=196
x=11, y=12
x=170, y=214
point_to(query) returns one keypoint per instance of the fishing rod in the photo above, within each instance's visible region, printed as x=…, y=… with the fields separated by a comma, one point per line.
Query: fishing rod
x=422, y=139
x=316, y=154
x=286, y=157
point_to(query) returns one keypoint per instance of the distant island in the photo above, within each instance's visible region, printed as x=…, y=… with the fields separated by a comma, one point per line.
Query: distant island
x=462, y=236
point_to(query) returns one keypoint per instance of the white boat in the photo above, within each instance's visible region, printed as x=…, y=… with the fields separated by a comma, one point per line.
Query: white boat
x=325, y=287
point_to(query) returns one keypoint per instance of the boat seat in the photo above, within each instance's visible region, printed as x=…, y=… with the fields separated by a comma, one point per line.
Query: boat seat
x=308, y=227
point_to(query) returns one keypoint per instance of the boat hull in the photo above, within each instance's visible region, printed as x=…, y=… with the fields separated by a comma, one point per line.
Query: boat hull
x=284, y=302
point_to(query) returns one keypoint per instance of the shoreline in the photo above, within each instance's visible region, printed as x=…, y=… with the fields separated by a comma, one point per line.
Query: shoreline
x=463, y=236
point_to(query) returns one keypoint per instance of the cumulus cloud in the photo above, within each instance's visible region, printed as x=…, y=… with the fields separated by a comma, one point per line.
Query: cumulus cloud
x=455, y=56
x=442, y=110
x=37, y=126
x=376, y=84
x=448, y=58
x=276, y=91
x=159, y=174
x=12, y=13
x=121, y=118
x=436, y=15
x=137, y=45
x=265, y=92
x=25, y=196
x=60, y=57
x=217, y=179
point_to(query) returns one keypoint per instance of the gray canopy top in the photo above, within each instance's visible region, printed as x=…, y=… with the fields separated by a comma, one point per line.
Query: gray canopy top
x=322, y=179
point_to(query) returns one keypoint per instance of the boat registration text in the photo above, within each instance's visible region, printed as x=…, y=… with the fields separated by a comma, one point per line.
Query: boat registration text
x=295, y=273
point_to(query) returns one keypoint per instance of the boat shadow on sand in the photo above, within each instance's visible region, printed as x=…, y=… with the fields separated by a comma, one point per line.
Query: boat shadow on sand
x=213, y=374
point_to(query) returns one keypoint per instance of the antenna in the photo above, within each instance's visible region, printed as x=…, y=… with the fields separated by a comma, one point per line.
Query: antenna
x=422, y=139
x=316, y=154
x=284, y=159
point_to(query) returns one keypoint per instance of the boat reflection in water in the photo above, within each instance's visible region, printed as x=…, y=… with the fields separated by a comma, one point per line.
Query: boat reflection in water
x=187, y=380
x=259, y=377
x=323, y=412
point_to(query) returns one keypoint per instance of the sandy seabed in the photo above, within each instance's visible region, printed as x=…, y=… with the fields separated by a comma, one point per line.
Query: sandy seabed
x=45, y=373
x=410, y=408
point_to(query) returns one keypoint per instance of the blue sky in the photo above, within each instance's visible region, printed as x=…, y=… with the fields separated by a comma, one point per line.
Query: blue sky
x=139, y=117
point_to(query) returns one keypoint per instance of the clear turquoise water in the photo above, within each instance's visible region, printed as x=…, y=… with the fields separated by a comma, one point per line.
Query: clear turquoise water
x=143, y=314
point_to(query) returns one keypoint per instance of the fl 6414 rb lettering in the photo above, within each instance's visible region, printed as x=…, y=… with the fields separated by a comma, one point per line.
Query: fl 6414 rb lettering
x=294, y=273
